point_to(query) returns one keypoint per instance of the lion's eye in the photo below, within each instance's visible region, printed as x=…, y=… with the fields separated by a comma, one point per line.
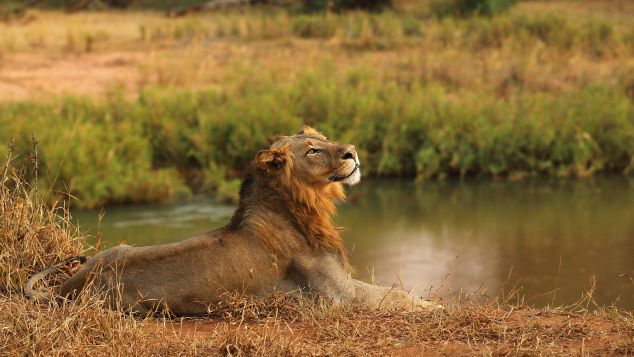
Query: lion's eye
x=312, y=151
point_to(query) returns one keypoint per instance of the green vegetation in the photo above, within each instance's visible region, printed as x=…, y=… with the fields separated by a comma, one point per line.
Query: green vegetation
x=114, y=150
x=341, y=5
x=528, y=93
x=470, y=7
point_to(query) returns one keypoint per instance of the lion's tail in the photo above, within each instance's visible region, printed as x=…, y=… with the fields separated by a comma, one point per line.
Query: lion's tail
x=28, y=287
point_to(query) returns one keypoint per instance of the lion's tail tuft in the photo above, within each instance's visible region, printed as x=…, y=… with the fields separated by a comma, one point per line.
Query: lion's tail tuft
x=39, y=295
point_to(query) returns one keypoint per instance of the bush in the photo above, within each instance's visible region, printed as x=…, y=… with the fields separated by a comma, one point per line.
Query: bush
x=102, y=140
x=119, y=3
x=463, y=8
x=343, y=5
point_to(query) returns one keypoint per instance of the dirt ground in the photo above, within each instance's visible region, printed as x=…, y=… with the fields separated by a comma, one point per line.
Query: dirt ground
x=28, y=76
x=521, y=332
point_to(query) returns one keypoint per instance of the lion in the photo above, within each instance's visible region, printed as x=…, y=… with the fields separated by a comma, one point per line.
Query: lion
x=281, y=238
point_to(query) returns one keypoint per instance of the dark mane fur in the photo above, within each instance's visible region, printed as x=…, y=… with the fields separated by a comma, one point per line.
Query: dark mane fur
x=307, y=209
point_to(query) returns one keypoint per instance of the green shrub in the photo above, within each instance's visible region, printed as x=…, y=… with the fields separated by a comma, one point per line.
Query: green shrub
x=91, y=151
x=462, y=8
x=343, y=5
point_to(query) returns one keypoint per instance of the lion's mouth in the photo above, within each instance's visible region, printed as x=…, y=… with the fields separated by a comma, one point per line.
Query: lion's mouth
x=337, y=178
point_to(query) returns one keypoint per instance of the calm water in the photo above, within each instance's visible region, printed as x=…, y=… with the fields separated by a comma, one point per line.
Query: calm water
x=550, y=238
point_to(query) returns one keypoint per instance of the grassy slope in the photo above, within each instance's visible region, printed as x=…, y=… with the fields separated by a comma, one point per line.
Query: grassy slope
x=540, y=91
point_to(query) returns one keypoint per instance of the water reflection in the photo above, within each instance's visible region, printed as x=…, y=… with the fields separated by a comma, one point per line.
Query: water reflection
x=547, y=235
x=455, y=236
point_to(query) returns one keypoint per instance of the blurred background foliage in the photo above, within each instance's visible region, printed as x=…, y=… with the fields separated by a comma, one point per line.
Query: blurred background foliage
x=437, y=7
x=470, y=7
x=447, y=89
x=343, y=5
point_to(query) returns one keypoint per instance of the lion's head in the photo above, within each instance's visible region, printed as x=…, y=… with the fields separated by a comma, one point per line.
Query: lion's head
x=311, y=159
x=303, y=175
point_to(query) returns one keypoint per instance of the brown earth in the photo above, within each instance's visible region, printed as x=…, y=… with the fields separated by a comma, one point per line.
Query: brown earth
x=29, y=75
x=516, y=332
x=36, y=75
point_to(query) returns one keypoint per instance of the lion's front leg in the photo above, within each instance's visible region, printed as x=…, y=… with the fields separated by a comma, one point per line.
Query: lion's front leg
x=389, y=298
x=325, y=276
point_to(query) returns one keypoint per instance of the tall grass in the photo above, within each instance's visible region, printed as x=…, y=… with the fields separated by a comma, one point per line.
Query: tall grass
x=91, y=32
x=79, y=135
x=361, y=30
x=34, y=235
x=116, y=150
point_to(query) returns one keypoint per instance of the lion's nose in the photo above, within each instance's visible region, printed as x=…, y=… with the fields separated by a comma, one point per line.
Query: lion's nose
x=348, y=152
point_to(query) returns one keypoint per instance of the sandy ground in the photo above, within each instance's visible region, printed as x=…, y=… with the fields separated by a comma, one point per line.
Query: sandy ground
x=28, y=76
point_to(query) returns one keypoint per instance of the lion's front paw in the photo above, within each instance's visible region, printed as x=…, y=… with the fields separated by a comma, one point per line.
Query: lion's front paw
x=399, y=299
x=421, y=304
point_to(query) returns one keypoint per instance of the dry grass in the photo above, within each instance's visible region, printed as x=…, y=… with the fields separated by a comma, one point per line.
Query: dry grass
x=86, y=326
x=33, y=236
x=460, y=330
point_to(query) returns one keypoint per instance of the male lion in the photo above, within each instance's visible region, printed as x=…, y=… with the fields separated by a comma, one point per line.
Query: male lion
x=281, y=238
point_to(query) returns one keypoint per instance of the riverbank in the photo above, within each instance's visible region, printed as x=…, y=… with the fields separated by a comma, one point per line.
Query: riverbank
x=463, y=331
x=135, y=107
x=33, y=236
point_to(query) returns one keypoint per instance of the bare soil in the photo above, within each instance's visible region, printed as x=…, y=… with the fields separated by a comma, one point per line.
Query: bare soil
x=29, y=75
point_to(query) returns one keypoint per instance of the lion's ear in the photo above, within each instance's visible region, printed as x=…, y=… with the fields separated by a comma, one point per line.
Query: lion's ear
x=307, y=130
x=275, y=138
x=272, y=159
